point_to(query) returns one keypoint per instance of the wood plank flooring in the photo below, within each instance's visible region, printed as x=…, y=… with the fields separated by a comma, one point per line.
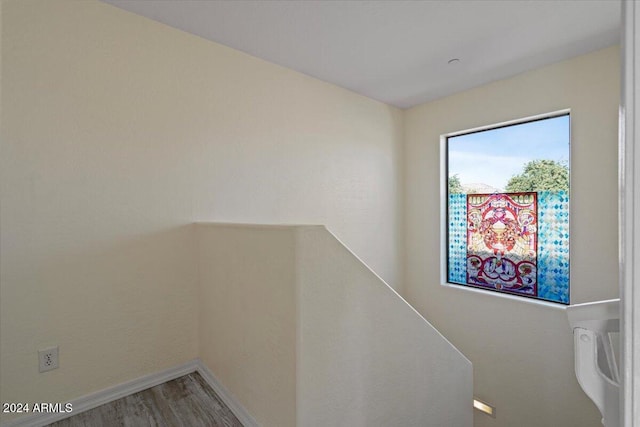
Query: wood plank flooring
x=186, y=401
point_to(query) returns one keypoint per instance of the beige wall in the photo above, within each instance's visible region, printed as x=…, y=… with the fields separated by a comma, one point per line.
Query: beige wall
x=521, y=352
x=365, y=357
x=303, y=333
x=116, y=132
x=247, y=312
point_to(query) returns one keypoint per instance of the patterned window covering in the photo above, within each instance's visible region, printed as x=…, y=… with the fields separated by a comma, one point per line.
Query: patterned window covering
x=522, y=248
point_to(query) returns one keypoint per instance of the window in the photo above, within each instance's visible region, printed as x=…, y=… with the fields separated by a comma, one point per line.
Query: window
x=507, y=210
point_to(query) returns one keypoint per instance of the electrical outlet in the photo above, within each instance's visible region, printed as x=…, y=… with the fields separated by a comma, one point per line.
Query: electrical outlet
x=48, y=358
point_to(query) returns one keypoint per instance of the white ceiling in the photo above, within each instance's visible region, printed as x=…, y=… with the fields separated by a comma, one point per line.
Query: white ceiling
x=397, y=51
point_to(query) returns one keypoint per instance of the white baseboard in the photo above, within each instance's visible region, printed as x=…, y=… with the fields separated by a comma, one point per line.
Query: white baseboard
x=110, y=394
x=238, y=410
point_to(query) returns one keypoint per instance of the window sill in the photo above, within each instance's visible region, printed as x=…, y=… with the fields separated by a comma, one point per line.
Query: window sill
x=526, y=300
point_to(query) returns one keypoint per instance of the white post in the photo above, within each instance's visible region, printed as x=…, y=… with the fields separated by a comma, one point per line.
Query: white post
x=629, y=213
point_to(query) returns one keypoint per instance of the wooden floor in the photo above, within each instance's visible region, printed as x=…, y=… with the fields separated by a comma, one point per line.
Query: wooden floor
x=187, y=401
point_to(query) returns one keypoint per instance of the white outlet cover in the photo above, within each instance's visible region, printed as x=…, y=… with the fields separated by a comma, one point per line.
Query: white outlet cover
x=48, y=359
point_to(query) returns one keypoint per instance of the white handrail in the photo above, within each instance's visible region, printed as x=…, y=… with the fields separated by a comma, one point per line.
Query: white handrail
x=595, y=362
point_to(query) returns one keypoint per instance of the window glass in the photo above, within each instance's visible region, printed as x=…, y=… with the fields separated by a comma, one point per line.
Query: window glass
x=508, y=209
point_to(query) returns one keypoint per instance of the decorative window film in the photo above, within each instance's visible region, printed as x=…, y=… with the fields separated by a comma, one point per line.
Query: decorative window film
x=508, y=209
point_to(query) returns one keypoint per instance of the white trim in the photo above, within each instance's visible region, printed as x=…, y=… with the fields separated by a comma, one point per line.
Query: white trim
x=119, y=391
x=516, y=298
x=444, y=202
x=227, y=397
x=444, y=183
x=629, y=209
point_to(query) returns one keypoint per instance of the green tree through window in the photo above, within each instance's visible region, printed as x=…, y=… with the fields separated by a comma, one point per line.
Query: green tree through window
x=540, y=175
x=454, y=185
